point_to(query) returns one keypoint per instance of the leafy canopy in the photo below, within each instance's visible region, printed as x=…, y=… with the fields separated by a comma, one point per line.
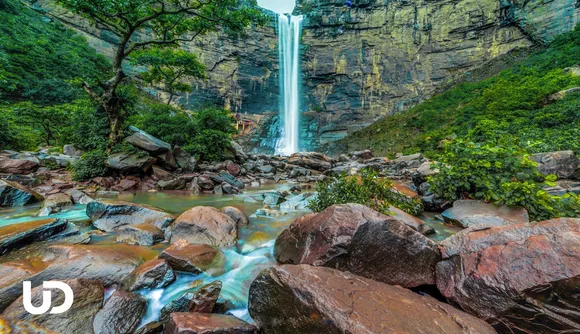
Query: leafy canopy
x=168, y=68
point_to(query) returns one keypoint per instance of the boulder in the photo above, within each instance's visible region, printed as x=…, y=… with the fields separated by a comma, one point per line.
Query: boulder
x=167, y=160
x=185, y=161
x=153, y=274
x=307, y=299
x=563, y=164
x=233, y=168
x=155, y=327
x=122, y=313
x=109, y=264
x=206, y=297
x=311, y=160
x=521, y=278
x=205, y=225
x=79, y=197
x=175, y=184
x=467, y=213
x=71, y=151
x=129, y=163
x=193, y=258
x=561, y=95
x=142, y=234
x=201, y=323
x=88, y=300
x=362, y=155
x=18, y=166
x=16, y=236
x=109, y=215
x=54, y=203
x=183, y=303
x=238, y=151
x=266, y=169
x=412, y=221
x=126, y=184
x=205, y=182
x=11, y=326
x=236, y=215
x=355, y=238
x=13, y=195
x=147, y=142
x=229, y=178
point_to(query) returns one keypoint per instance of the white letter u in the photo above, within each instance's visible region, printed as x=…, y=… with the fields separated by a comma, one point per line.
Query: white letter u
x=27, y=300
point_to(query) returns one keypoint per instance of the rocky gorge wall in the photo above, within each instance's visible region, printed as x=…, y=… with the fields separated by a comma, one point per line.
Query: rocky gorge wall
x=361, y=63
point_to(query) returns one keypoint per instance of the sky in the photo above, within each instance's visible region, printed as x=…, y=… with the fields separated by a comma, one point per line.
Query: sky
x=278, y=6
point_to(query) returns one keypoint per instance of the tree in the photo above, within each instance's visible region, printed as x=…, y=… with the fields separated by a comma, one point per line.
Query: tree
x=168, y=68
x=143, y=24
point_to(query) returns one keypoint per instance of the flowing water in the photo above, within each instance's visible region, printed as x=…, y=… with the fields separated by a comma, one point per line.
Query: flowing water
x=289, y=32
x=252, y=253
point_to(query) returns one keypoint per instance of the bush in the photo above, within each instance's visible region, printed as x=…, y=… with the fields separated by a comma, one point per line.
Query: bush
x=91, y=164
x=206, y=133
x=500, y=174
x=368, y=189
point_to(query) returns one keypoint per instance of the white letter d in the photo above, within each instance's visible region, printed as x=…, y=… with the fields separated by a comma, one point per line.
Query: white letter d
x=47, y=298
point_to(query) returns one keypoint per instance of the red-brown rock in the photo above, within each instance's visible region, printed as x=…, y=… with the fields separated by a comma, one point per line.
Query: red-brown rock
x=205, y=225
x=355, y=238
x=307, y=299
x=16, y=166
x=203, y=323
x=521, y=278
x=194, y=258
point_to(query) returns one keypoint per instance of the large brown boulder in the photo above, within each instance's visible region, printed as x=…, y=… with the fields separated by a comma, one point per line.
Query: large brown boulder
x=355, y=238
x=312, y=160
x=121, y=313
x=147, y=142
x=14, y=195
x=109, y=264
x=205, y=225
x=193, y=258
x=524, y=277
x=153, y=274
x=307, y=299
x=202, y=323
x=17, y=166
x=88, y=300
x=110, y=215
x=141, y=234
x=468, y=213
x=19, y=235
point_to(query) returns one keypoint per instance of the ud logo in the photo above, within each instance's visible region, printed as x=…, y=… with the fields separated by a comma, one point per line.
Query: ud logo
x=47, y=298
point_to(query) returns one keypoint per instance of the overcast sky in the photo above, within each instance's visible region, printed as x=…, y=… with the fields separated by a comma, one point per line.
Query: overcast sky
x=278, y=6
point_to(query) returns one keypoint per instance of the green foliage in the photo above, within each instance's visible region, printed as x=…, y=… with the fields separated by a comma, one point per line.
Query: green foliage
x=367, y=188
x=168, y=68
x=509, y=107
x=91, y=164
x=38, y=58
x=206, y=133
x=500, y=174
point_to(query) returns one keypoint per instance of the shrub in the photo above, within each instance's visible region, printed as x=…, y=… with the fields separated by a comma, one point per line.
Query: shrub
x=368, y=189
x=500, y=174
x=91, y=164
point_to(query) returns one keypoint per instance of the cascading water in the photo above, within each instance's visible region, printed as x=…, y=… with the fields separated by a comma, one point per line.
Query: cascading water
x=289, y=31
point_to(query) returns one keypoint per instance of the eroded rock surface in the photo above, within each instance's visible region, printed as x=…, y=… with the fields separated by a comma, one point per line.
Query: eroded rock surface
x=109, y=215
x=522, y=277
x=205, y=225
x=307, y=299
x=355, y=238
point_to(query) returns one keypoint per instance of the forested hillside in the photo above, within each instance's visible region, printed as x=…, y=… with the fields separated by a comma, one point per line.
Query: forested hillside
x=514, y=106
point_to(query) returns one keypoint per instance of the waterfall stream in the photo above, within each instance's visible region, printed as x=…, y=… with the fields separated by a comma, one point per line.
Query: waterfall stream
x=289, y=31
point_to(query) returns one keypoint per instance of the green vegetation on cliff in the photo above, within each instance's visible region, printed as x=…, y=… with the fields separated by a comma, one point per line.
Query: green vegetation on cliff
x=511, y=107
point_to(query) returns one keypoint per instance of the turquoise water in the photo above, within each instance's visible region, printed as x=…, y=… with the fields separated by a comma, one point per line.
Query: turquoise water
x=252, y=253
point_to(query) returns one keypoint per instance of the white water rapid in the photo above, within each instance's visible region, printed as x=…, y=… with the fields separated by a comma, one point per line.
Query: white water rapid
x=289, y=31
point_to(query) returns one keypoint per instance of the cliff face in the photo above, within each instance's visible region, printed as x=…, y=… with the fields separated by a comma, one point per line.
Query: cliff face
x=358, y=64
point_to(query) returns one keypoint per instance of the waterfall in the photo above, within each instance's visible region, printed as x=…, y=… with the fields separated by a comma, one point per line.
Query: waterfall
x=289, y=30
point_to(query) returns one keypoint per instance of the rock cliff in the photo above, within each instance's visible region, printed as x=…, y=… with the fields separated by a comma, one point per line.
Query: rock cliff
x=363, y=62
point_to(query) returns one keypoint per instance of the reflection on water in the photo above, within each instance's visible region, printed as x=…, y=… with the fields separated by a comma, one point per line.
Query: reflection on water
x=252, y=253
